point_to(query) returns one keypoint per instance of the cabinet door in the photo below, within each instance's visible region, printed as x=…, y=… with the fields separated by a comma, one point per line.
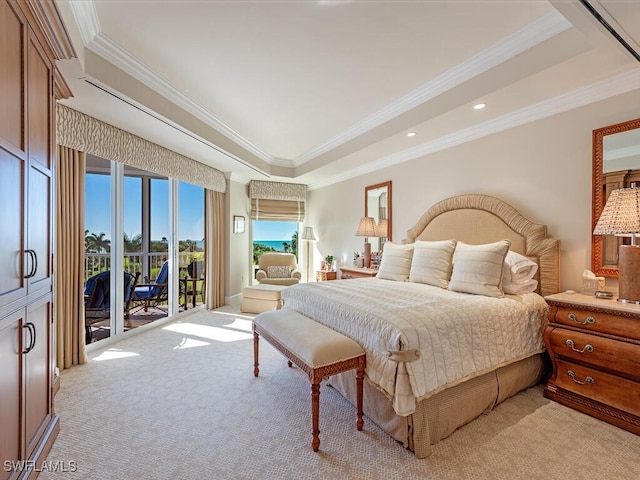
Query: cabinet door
x=37, y=371
x=10, y=388
x=39, y=175
x=12, y=155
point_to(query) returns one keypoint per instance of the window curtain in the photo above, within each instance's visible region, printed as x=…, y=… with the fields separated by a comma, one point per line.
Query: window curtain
x=69, y=258
x=215, y=221
x=277, y=201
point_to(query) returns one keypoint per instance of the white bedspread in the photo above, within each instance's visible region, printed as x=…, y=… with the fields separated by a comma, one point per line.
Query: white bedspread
x=458, y=335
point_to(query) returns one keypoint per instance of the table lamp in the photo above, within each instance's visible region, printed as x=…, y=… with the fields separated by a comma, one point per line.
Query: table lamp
x=367, y=228
x=621, y=216
x=309, y=236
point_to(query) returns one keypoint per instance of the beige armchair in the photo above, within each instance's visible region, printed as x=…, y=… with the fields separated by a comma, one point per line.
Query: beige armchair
x=278, y=269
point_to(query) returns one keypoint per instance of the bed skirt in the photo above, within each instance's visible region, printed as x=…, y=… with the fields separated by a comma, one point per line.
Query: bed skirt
x=439, y=416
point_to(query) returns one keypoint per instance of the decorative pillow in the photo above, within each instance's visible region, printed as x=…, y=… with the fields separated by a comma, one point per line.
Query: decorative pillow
x=518, y=269
x=274, y=271
x=396, y=262
x=431, y=263
x=478, y=268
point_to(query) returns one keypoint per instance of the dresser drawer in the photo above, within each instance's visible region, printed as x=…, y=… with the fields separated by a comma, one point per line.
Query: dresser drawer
x=596, y=321
x=602, y=387
x=612, y=355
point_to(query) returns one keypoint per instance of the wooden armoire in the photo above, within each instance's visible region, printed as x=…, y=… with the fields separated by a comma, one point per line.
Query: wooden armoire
x=32, y=38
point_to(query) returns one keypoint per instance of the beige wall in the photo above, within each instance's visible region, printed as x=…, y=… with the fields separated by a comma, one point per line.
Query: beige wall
x=239, y=248
x=543, y=169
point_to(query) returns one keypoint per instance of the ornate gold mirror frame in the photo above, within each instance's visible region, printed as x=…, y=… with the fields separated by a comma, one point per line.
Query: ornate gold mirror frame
x=616, y=164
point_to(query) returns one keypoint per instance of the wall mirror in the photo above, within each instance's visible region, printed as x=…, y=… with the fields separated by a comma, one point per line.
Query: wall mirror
x=616, y=164
x=377, y=204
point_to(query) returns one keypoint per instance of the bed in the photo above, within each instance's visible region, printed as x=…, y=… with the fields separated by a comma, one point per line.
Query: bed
x=436, y=358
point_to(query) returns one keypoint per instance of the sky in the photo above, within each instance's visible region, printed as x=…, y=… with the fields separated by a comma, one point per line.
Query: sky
x=190, y=208
x=273, y=230
x=190, y=211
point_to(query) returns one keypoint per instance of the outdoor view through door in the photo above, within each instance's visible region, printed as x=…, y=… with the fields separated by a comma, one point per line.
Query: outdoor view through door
x=273, y=236
x=145, y=244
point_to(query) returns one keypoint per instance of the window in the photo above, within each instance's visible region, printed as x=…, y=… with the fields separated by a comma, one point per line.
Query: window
x=274, y=236
x=144, y=241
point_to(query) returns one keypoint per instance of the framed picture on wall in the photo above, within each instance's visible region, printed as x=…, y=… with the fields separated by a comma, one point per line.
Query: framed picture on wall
x=238, y=224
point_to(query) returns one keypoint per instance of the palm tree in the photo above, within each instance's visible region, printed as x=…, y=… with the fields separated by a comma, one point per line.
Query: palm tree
x=97, y=243
x=133, y=244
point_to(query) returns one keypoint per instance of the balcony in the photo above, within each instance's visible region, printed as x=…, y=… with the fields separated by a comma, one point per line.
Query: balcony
x=152, y=263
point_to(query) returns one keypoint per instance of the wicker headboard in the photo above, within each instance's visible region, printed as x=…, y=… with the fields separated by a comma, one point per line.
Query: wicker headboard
x=477, y=219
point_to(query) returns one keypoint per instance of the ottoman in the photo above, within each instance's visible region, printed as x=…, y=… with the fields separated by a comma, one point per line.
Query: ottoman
x=261, y=298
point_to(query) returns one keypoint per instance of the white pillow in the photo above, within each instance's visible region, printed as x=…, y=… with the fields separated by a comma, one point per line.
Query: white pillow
x=478, y=268
x=396, y=262
x=431, y=263
x=519, y=289
x=518, y=269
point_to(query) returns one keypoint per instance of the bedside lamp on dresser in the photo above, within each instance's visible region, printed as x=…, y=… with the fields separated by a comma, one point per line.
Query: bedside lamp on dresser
x=367, y=228
x=621, y=217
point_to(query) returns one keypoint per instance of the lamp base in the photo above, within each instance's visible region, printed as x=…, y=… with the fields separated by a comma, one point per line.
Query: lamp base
x=367, y=255
x=629, y=274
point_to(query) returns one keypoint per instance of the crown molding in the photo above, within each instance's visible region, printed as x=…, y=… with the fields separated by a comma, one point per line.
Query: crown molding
x=87, y=19
x=610, y=87
x=528, y=37
x=537, y=32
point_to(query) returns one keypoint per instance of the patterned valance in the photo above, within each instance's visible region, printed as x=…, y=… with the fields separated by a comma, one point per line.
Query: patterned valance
x=262, y=190
x=87, y=134
x=277, y=201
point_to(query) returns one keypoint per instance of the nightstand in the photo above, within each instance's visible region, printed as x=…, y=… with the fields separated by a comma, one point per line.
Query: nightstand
x=322, y=275
x=594, y=346
x=355, y=272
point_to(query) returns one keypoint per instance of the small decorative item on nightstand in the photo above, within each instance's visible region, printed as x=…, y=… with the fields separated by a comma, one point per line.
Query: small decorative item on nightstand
x=594, y=345
x=323, y=275
x=329, y=261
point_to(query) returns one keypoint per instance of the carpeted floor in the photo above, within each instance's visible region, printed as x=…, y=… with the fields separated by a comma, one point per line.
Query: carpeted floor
x=181, y=402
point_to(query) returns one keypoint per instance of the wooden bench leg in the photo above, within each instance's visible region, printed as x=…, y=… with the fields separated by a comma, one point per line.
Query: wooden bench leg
x=255, y=354
x=359, y=387
x=315, y=415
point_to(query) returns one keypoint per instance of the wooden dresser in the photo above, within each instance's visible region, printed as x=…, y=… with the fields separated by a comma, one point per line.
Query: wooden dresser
x=594, y=345
x=355, y=272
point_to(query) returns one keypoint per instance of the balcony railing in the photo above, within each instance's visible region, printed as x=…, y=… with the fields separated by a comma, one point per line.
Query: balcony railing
x=99, y=262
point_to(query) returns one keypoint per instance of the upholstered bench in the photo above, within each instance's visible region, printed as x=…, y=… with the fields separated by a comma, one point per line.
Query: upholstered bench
x=261, y=298
x=317, y=350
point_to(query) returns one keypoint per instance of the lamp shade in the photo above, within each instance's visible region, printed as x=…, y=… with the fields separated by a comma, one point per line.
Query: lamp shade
x=366, y=227
x=307, y=234
x=382, y=230
x=621, y=214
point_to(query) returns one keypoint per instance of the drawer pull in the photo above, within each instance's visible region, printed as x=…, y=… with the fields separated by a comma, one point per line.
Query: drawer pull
x=587, y=348
x=587, y=380
x=574, y=319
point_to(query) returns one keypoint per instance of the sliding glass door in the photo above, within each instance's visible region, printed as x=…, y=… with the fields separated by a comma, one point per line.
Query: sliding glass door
x=129, y=230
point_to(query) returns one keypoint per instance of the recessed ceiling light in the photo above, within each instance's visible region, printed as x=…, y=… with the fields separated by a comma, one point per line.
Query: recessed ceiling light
x=411, y=134
x=479, y=106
